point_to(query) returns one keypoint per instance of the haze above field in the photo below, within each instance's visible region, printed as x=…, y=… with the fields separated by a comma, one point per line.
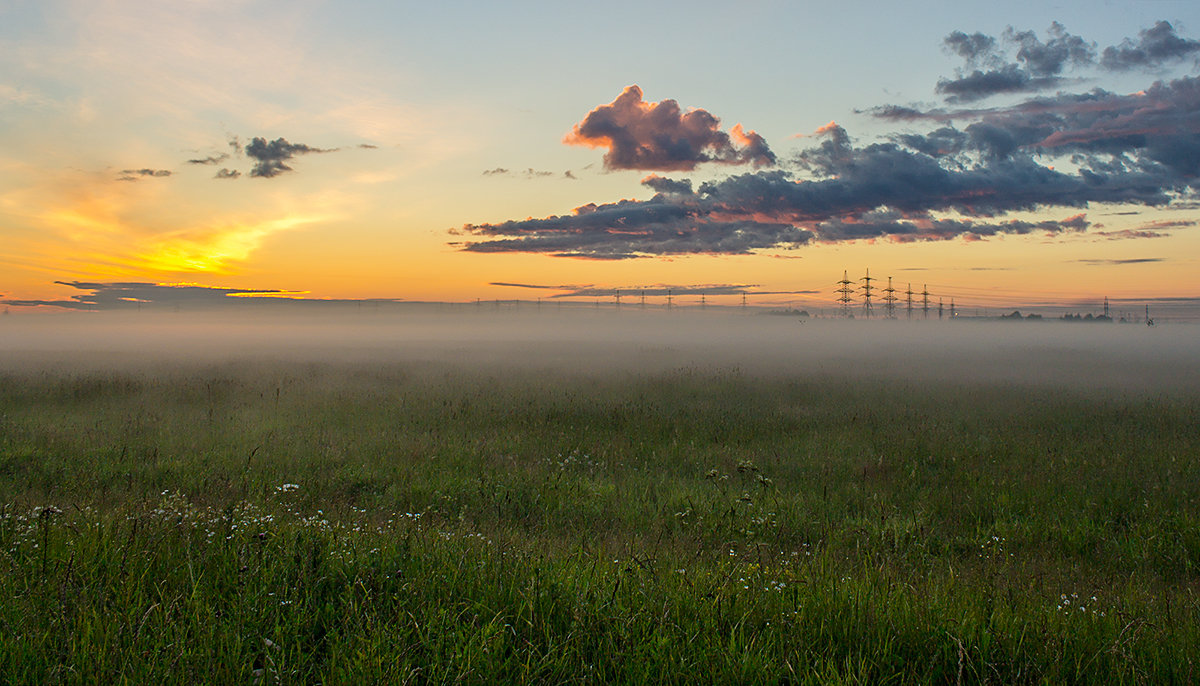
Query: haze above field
x=1082, y=356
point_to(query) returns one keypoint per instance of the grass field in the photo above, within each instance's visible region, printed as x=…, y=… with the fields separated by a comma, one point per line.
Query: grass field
x=368, y=520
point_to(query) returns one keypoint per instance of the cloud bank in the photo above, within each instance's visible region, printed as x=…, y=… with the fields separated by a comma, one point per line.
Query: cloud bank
x=956, y=179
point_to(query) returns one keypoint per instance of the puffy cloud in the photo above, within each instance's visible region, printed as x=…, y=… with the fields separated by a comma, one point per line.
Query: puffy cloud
x=1155, y=46
x=227, y=174
x=660, y=184
x=660, y=136
x=1038, y=64
x=271, y=157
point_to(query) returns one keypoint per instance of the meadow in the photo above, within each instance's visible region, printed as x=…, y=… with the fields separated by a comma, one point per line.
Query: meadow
x=266, y=518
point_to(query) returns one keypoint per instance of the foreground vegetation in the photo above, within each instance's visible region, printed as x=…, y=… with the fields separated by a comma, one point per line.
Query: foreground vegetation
x=344, y=523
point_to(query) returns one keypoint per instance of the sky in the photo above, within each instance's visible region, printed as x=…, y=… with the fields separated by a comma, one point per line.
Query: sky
x=1002, y=154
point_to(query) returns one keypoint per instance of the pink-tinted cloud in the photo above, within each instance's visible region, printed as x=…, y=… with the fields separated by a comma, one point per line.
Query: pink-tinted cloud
x=660, y=136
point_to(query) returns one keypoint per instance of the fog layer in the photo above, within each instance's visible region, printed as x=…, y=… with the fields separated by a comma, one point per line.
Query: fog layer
x=1069, y=355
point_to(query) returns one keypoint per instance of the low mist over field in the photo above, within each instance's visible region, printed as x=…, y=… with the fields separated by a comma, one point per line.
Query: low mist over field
x=1071, y=355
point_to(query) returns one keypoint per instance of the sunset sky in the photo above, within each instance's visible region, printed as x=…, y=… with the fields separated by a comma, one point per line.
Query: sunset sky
x=999, y=153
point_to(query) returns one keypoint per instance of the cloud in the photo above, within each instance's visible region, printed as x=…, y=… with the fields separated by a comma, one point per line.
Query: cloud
x=211, y=159
x=1154, y=47
x=1125, y=234
x=1132, y=260
x=882, y=190
x=654, y=290
x=534, y=286
x=103, y=296
x=227, y=174
x=135, y=174
x=1156, y=129
x=667, y=186
x=528, y=173
x=271, y=157
x=1038, y=64
x=660, y=136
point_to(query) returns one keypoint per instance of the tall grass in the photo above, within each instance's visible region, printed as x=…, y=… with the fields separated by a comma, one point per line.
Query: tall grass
x=347, y=523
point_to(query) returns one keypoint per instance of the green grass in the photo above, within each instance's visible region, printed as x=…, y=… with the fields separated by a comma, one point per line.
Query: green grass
x=351, y=523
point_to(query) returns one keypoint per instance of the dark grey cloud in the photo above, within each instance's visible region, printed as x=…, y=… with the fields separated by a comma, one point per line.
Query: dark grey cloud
x=368, y=146
x=1049, y=58
x=211, y=159
x=976, y=49
x=656, y=290
x=495, y=172
x=1158, y=127
x=979, y=84
x=227, y=174
x=136, y=174
x=1041, y=64
x=1038, y=64
x=892, y=225
x=660, y=136
x=1131, y=260
x=667, y=186
x=1155, y=46
x=1126, y=234
x=103, y=296
x=271, y=157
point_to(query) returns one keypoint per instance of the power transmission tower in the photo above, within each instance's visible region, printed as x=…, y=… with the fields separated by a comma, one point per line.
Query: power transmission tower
x=909, y=295
x=743, y=301
x=1106, y=307
x=845, y=292
x=643, y=298
x=618, y=297
x=953, y=310
x=889, y=300
x=939, y=308
x=925, y=301
x=668, y=298
x=867, y=293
